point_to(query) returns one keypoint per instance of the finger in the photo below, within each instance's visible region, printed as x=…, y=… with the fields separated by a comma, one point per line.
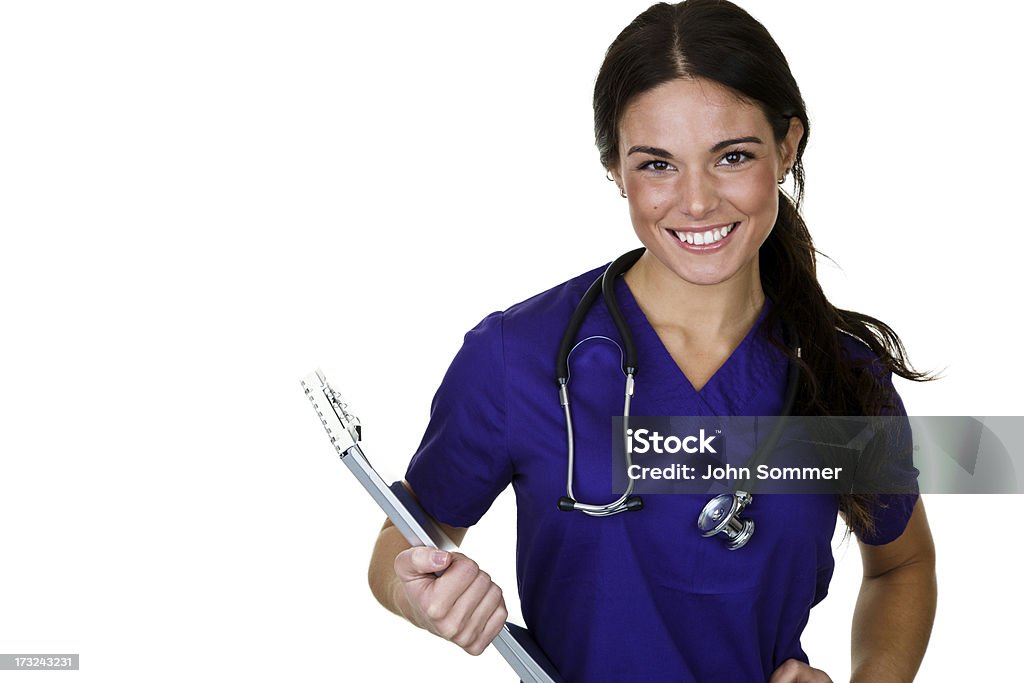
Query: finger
x=415, y=563
x=443, y=593
x=795, y=671
x=486, y=599
x=812, y=675
x=493, y=627
x=787, y=672
x=458, y=625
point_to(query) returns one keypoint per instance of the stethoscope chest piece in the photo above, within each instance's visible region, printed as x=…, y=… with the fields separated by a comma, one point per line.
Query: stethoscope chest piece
x=722, y=516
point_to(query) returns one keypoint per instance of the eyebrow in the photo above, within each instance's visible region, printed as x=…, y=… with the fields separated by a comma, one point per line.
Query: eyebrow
x=719, y=146
x=735, y=141
x=653, y=151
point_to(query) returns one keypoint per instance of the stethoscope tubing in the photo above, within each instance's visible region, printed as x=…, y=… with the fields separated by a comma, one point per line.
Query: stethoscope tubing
x=604, y=286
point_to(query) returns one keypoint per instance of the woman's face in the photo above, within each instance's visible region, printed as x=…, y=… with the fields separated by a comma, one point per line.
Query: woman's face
x=700, y=168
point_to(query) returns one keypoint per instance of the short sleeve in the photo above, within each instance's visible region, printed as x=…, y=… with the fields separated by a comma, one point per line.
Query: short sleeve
x=463, y=463
x=891, y=511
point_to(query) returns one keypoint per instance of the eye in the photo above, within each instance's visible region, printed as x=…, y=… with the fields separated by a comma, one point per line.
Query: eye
x=655, y=165
x=737, y=157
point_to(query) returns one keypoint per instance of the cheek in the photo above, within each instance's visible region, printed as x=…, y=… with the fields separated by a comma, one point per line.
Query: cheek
x=646, y=201
x=756, y=194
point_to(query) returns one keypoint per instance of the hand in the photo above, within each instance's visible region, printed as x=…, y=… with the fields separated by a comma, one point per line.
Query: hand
x=462, y=605
x=795, y=671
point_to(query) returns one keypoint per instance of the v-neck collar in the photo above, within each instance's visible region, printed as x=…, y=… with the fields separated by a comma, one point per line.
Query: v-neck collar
x=754, y=367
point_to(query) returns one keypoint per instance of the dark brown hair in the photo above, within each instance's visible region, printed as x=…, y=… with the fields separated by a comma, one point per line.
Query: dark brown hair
x=718, y=41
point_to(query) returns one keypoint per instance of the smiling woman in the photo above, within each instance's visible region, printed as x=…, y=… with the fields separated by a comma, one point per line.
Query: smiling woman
x=698, y=120
x=700, y=169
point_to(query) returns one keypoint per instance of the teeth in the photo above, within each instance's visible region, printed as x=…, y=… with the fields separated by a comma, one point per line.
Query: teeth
x=706, y=237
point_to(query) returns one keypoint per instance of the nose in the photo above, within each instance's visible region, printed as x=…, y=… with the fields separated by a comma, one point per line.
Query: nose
x=697, y=194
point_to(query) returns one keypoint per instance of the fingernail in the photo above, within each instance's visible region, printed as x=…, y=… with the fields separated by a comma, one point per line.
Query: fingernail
x=440, y=558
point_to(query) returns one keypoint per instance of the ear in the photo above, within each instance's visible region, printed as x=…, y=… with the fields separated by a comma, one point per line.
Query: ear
x=791, y=143
x=615, y=175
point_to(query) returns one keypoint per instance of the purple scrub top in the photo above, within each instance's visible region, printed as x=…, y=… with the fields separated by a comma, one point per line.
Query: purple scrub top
x=638, y=596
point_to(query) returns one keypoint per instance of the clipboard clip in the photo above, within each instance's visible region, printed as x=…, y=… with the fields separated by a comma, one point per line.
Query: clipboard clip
x=324, y=398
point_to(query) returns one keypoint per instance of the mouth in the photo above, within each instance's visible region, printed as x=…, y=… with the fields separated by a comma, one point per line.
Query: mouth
x=710, y=239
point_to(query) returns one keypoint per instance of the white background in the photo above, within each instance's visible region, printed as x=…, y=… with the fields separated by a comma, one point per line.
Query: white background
x=200, y=202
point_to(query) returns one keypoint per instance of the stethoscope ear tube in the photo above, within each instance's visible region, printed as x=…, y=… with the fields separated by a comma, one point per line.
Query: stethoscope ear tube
x=604, y=285
x=575, y=323
x=619, y=266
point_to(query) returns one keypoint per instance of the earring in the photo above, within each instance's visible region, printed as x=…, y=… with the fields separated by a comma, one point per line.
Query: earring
x=783, y=178
x=622, y=192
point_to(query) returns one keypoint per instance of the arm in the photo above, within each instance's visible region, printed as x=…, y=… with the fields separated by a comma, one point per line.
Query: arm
x=463, y=605
x=896, y=605
x=894, y=613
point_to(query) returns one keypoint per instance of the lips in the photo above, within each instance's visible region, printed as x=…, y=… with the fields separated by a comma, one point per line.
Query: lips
x=709, y=236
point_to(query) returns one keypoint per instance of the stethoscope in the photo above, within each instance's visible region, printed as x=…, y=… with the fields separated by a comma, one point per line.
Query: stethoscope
x=722, y=513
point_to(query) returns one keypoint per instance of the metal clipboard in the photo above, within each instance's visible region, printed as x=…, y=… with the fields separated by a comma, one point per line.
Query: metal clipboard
x=513, y=642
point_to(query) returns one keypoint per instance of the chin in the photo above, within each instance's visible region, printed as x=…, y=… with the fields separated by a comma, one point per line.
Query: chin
x=705, y=280
x=708, y=276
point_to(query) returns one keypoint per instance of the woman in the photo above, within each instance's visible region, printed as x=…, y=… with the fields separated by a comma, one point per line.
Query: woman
x=698, y=120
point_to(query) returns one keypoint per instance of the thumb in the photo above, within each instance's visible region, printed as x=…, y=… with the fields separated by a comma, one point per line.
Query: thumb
x=415, y=563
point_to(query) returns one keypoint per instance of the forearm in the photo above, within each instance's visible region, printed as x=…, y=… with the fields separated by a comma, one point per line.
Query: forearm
x=384, y=583
x=892, y=623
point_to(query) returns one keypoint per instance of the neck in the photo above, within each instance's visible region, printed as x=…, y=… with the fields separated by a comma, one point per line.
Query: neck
x=722, y=311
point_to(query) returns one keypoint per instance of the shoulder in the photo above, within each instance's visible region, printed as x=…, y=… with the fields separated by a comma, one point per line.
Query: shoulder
x=889, y=512
x=522, y=340
x=859, y=355
x=856, y=350
x=540, y=313
x=552, y=303
x=871, y=369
